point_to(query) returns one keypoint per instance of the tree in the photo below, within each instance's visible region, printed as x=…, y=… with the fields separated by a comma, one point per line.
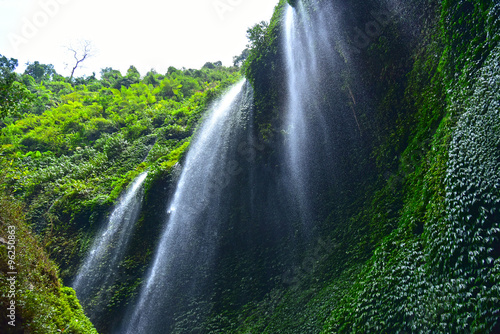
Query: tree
x=40, y=72
x=14, y=96
x=239, y=60
x=171, y=70
x=151, y=78
x=133, y=74
x=110, y=76
x=132, y=77
x=86, y=80
x=211, y=66
x=80, y=54
x=256, y=34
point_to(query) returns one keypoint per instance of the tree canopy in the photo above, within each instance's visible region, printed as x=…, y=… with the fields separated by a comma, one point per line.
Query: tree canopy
x=14, y=96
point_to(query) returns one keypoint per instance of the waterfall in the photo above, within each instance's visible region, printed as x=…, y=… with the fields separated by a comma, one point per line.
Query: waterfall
x=97, y=274
x=302, y=73
x=186, y=248
x=313, y=117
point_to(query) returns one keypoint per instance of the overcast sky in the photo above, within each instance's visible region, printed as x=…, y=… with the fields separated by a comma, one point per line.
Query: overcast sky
x=147, y=33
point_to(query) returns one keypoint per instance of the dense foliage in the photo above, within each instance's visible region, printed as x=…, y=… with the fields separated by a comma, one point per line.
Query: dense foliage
x=42, y=304
x=14, y=96
x=79, y=143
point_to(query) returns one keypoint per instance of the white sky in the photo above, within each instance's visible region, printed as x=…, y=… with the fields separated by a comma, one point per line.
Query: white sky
x=147, y=33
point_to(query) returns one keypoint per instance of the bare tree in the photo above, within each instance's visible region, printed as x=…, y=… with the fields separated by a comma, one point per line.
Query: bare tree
x=80, y=53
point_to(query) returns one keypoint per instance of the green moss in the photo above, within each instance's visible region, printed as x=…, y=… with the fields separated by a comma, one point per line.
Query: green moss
x=417, y=280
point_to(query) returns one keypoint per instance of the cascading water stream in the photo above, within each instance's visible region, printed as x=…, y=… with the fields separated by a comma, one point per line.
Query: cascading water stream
x=98, y=271
x=302, y=69
x=187, y=245
x=313, y=106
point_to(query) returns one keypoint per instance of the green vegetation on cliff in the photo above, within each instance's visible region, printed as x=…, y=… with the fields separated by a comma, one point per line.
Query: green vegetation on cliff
x=420, y=253
x=30, y=280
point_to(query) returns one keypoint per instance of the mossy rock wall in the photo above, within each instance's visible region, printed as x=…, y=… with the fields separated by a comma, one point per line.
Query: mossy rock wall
x=417, y=249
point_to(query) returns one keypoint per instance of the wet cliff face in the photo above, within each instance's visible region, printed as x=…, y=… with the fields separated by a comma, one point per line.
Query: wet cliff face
x=413, y=74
